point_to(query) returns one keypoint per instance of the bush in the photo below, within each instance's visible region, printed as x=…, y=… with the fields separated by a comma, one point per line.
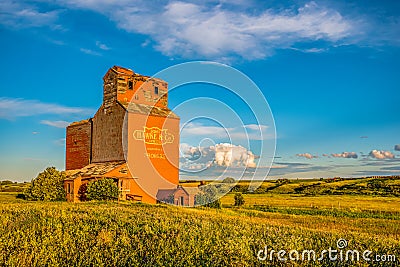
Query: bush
x=21, y=196
x=47, y=186
x=5, y=182
x=103, y=189
x=208, y=197
x=229, y=180
x=239, y=199
x=216, y=204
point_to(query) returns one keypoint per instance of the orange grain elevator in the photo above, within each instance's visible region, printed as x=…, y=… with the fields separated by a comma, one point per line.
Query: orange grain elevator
x=133, y=139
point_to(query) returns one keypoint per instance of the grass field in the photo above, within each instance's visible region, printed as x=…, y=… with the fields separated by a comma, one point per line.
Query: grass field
x=126, y=234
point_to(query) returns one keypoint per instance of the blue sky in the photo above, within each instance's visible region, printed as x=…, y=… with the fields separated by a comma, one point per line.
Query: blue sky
x=329, y=70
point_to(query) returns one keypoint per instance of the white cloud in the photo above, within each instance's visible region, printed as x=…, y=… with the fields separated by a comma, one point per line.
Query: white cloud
x=60, y=142
x=306, y=155
x=348, y=155
x=247, y=132
x=17, y=14
x=256, y=127
x=102, y=46
x=229, y=155
x=203, y=130
x=381, y=154
x=215, y=30
x=11, y=108
x=220, y=29
x=90, y=52
x=57, y=124
x=191, y=30
x=223, y=154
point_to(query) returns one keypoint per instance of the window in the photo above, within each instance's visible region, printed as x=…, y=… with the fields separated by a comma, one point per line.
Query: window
x=156, y=90
x=130, y=85
x=68, y=188
x=136, y=97
x=182, y=201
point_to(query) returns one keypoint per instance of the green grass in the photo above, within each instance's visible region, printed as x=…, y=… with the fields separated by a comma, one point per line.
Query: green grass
x=127, y=234
x=111, y=234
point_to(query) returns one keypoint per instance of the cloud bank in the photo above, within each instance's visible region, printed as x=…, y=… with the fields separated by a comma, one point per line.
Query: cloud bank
x=210, y=30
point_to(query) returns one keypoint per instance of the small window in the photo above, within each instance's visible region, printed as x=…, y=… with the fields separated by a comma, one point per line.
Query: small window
x=136, y=97
x=68, y=188
x=156, y=90
x=130, y=85
x=182, y=201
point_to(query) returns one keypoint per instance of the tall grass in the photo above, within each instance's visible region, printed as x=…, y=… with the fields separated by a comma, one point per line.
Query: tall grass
x=111, y=234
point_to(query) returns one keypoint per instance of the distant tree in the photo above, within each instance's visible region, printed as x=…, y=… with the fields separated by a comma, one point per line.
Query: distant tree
x=6, y=182
x=103, y=189
x=239, y=199
x=229, y=180
x=47, y=186
x=208, y=197
x=216, y=204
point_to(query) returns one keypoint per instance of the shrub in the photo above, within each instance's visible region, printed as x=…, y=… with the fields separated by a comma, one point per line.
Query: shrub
x=229, y=180
x=239, y=199
x=5, y=182
x=48, y=186
x=103, y=189
x=21, y=196
x=216, y=204
x=208, y=197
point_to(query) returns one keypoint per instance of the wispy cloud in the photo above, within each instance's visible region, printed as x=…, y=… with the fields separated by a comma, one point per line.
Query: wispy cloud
x=57, y=124
x=89, y=52
x=306, y=155
x=19, y=14
x=59, y=142
x=204, y=130
x=256, y=127
x=247, y=132
x=310, y=50
x=102, y=46
x=11, y=108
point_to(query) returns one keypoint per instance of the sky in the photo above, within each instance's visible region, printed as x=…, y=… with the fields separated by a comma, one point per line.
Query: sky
x=329, y=71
